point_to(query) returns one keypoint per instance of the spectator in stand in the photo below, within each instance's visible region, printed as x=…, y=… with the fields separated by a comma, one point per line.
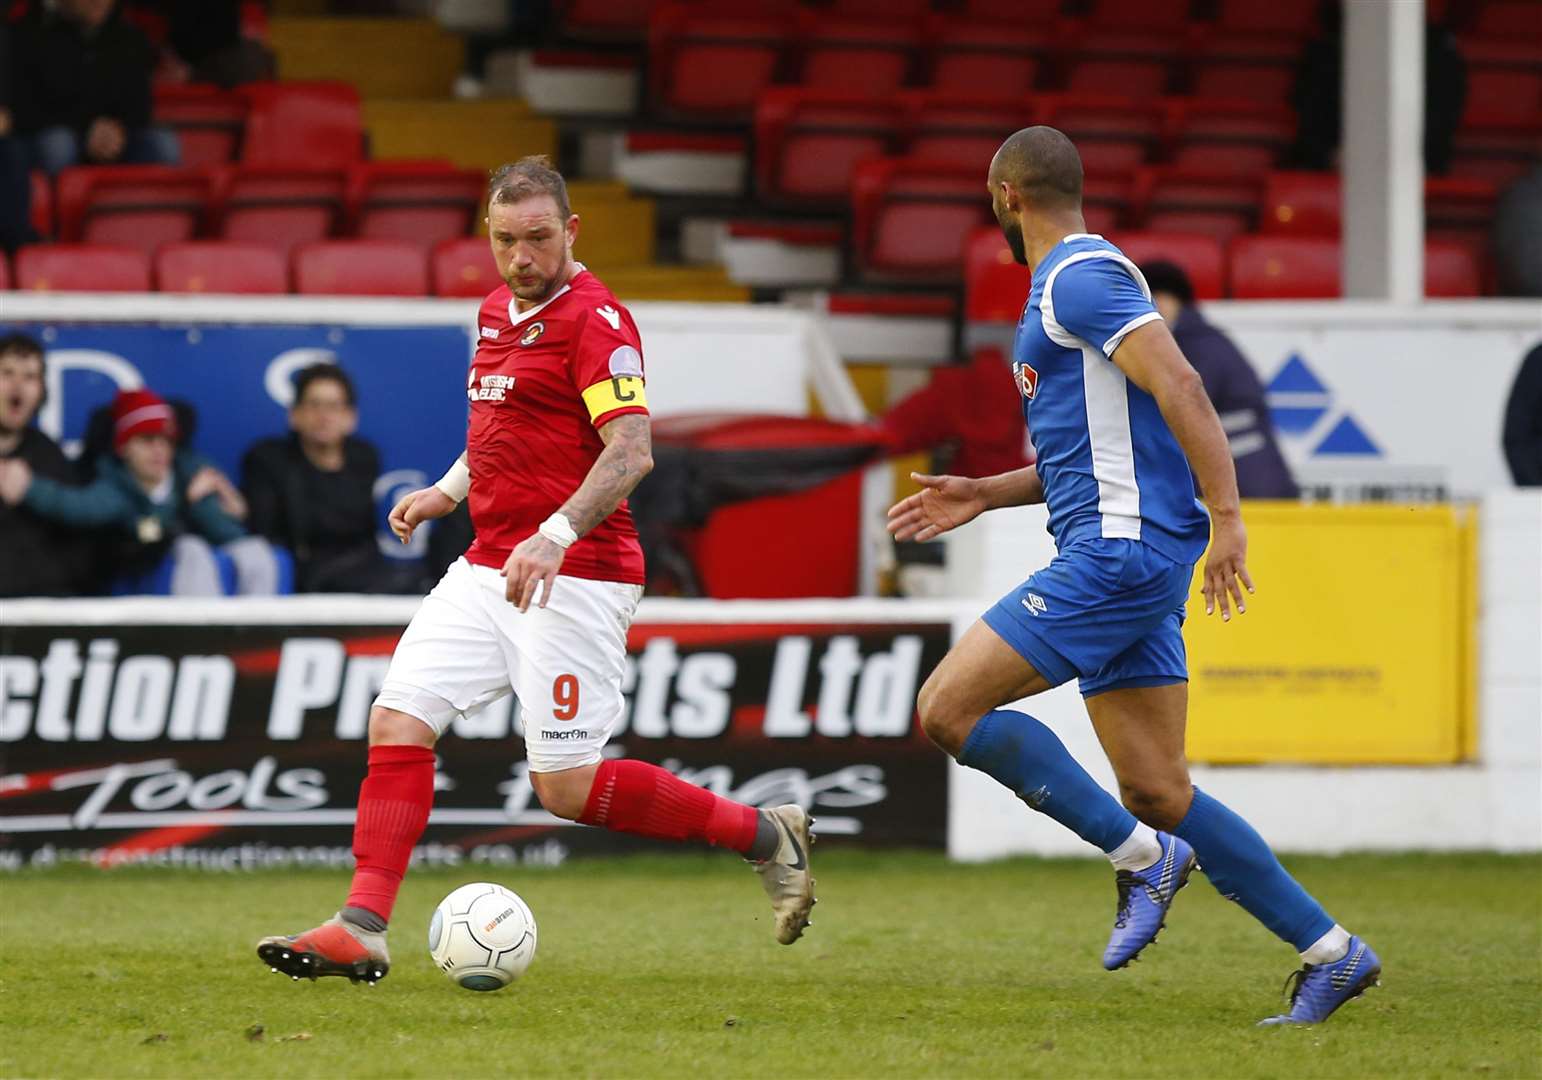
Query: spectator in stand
x=313, y=491
x=15, y=185
x=1523, y=422
x=1517, y=227
x=82, y=88
x=1231, y=383
x=1318, y=95
x=38, y=557
x=204, y=42
x=172, y=520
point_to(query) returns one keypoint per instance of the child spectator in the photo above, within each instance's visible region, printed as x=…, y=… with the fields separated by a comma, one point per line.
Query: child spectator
x=38, y=557
x=173, y=520
x=313, y=491
x=81, y=86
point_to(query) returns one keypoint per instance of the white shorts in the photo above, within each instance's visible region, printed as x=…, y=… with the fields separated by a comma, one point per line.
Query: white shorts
x=468, y=646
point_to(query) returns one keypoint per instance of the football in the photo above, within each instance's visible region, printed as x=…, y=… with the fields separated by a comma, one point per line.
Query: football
x=482, y=936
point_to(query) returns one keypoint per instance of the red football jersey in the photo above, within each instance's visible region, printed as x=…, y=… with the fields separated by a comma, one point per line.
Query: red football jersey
x=542, y=384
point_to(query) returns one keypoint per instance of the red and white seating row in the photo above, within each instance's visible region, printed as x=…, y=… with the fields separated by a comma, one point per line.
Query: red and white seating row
x=460, y=267
x=1257, y=267
x=147, y=206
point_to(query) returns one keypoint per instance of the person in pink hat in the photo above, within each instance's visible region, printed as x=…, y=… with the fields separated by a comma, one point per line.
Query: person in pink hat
x=169, y=520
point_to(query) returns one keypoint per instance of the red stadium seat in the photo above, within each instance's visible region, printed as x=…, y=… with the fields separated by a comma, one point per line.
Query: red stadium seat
x=361, y=268
x=1112, y=133
x=141, y=206
x=1249, y=67
x=995, y=285
x=5, y=271
x=1106, y=200
x=42, y=203
x=208, y=120
x=1457, y=203
x=1230, y=135
x=807, y=142
x=984, y=59
x=1201, y=257
x=82, y=268
x=1293, y=18
x=949, y=127
x=912, y=217
x=1451, y=269
x=464, y=267
x=1218, y=204
x=1141, y=14
x=868, y=56
x=1285, y=268
x=1509, y=18
x=422, y=202
x=1019, y=11
x=1302, y=204
x=218, y=266
x=1505, y=94
x=890, y=9
x=710, y=65
x=607, y=20
x=280, y=207
x=312, y=125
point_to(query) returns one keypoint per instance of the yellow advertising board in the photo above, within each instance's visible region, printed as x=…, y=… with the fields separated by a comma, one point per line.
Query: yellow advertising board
x=1356, y=649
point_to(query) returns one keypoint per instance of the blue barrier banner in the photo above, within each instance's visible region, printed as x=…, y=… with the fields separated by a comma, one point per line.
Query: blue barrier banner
x=410, y=379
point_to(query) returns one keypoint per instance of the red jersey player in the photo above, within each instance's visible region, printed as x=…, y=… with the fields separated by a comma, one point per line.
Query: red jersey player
x=541, y=602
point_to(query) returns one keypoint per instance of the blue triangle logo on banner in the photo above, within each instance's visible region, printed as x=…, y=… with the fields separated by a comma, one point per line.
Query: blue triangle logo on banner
x=1295, y=378
x=1349, y=439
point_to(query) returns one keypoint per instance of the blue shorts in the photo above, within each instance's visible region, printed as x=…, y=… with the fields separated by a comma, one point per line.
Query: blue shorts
x=1109, y=611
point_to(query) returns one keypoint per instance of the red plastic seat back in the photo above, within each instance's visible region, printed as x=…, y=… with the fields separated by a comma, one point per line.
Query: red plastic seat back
x=464, y=267
x=913, y=217
x=1452, y=269
x=208, y=120
x=140, y=206
x=217, y=266
x=1217, y=204
x=1285, y=268
x=82, y=268
x=995, y=286
x=865, y=56
x=423, y=203
x=713, y=65
x=1303, y=204
x=282, y=208
x=985, y=58
x=1200, y=257
x=361, y=268
x=807, y=143
x=310, y=125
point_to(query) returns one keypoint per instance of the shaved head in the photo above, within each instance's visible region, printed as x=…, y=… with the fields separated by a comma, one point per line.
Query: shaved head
x=1037, y=169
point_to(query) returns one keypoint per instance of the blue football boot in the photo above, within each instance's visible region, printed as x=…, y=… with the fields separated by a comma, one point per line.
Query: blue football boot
x=1144, y=897
x=1318, y=989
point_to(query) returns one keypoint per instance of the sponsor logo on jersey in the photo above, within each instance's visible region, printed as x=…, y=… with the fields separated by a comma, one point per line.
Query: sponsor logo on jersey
x=610, y=315
x=490, y=332
x=491, y=388
x=1027, y=379
x=532, y=333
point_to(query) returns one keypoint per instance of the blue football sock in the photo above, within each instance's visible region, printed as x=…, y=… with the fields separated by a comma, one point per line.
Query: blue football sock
x=1020, y=752
x=1242, y=868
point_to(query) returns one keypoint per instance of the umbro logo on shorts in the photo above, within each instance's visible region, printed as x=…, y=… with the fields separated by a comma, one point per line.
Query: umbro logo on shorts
x=1034, y=603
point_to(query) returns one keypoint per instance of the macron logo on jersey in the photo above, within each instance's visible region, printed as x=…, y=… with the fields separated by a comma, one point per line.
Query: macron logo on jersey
x=610, y=315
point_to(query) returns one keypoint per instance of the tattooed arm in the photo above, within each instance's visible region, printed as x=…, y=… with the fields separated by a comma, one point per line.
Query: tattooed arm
x=626, y=459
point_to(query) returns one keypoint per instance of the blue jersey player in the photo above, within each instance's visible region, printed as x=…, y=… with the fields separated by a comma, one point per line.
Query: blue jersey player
x=1121, y=428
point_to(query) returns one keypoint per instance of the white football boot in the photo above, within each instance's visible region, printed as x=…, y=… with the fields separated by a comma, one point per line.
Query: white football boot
x=786, y=876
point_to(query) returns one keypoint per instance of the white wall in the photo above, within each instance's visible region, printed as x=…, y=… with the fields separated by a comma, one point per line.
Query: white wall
x=1494, y=804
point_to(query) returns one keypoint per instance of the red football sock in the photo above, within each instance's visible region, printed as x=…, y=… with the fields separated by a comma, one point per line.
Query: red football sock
x=635, y=797
x=394, y=801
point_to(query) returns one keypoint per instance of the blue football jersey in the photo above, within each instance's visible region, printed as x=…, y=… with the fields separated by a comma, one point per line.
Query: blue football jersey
x=1110, y=465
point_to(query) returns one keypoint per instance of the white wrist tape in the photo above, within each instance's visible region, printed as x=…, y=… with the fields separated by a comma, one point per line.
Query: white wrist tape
x=457, y=482
x=559, y=530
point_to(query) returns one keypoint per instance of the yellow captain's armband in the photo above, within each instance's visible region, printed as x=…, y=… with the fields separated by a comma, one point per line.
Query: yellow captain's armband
x=617, y=392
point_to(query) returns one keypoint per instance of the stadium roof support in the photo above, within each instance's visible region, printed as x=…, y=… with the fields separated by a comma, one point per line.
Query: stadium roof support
x=1383, y=155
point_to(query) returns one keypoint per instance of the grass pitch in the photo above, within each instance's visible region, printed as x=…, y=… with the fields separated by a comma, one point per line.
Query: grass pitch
x=656, y=966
